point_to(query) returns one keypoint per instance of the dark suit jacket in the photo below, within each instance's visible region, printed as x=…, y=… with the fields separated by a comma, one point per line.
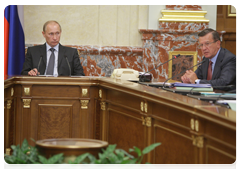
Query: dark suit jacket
x=32, y=60
x=224, y=72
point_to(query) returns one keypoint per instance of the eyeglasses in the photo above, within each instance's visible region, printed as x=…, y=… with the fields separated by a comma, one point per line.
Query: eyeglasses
x=206, y=44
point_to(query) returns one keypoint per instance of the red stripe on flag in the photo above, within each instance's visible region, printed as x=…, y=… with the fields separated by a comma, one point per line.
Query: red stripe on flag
x=6, y=40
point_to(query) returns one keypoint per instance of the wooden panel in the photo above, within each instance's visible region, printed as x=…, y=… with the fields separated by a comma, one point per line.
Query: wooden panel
x=55, y=121
x=227, y=23
x=221, y=133
x=172, y=115
x=125, y=130
x=217, y=156
x=176, y=147
x=55, y=91
x=123, y=99
x=220, y=144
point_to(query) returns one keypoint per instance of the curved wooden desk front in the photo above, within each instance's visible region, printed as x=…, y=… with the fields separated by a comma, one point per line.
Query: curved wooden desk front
x=120, y=112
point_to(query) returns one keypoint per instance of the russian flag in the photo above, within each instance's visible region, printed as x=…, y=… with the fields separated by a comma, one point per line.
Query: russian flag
x=14, y=42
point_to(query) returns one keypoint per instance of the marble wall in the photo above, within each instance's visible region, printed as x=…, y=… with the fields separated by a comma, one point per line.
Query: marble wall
x=102, y=60
x=172, y=36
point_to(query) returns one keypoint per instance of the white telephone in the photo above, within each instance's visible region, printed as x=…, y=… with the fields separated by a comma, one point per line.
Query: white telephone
x=125, y=74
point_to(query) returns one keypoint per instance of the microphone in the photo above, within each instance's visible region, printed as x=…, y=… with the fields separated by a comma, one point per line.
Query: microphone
x=68, y=65
x=183, y=72
x=143, y=80
x=39, y=64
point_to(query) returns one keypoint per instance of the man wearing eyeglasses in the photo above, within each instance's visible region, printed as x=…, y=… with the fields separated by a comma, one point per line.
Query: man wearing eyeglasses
x=219, y=64
x=52, y=58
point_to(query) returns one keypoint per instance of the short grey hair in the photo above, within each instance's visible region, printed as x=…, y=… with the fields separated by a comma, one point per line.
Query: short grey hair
x=48, y=22
x=215, y=34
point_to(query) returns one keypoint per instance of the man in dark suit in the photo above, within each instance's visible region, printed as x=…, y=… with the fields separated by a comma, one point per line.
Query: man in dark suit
x=219, y=64
x=52, y=58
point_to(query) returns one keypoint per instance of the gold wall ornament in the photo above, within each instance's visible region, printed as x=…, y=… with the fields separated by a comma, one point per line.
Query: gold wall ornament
x=198, y=141
x=103, y=105
x=26, y=91
x=84, y=104
x=12, y=91
x=192, y=124
x=9, y=104
x=8, y=151
x=196, y=125
x=100, y=93
x=194, y=140
x=26, y=103
x=148, y=121
x=145, y=107
x=143, y=121
x=183, y=16
x=84, y=92
x=141, y=106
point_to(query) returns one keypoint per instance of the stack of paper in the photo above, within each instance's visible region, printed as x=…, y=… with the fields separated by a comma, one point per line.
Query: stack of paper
x=192, y=85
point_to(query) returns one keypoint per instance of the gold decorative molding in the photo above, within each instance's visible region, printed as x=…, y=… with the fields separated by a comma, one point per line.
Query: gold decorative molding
x=84, y=92
x=26, y=103
x=231, y=11
x=196, y=125
x=192, y=124
x=183, y=16
x=145, y=107
x=9, y=104
x=143, y=121
x=26, y=91
x=100, y=93
x=84, y=104
x=198, y=141
x=12, y=91
x=141, y=106
x=8, y=151
x=103, y=105
x=148, y=121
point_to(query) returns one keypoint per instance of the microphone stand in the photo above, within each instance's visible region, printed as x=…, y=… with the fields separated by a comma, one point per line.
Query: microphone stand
x=39, y=65
x=140, y=78
x=68, y=65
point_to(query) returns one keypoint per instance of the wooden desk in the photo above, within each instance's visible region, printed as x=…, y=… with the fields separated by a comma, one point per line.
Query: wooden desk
x=121, y=112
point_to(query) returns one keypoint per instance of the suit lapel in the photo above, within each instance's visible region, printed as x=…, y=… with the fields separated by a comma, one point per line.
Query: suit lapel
x=43, y=53
x=60, y=55
x=217, y=67
x=205, y=68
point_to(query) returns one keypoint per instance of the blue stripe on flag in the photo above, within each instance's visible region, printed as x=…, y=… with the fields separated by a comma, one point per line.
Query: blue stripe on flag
x=16, y=50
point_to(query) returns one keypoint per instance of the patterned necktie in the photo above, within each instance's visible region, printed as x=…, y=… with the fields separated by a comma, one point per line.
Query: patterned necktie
x=209, y=75
x=51, y=63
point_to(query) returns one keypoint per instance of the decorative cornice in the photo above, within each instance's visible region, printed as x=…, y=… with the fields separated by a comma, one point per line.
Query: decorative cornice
x=183, y=16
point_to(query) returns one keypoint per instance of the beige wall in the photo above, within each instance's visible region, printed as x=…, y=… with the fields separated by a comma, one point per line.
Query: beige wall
x=102, y=25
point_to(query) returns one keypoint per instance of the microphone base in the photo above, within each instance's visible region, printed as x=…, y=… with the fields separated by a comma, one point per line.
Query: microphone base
x=145, y=78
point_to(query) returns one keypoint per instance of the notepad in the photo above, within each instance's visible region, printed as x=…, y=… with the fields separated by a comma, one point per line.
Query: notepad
x=196, y=89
